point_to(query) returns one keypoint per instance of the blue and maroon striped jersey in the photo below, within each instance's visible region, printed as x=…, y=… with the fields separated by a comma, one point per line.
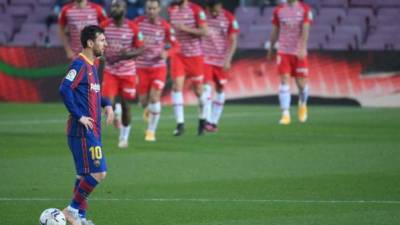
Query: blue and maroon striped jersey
x=80, y=91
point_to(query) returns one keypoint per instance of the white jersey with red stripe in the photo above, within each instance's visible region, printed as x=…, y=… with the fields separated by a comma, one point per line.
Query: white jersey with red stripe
x=216, y=43
x=157, y=35
x=75, y=18
x=192, y=16
x=290, y=18
x=124, y=37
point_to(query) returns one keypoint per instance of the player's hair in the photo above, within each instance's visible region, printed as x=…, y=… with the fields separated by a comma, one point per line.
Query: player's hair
x=90, y=33
x=212, y=3
x=158, y=1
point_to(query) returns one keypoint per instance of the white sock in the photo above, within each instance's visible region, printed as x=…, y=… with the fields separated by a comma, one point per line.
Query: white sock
x=124, y=132
x=118, y=110
x=284, y=97
x=303, y=95
x=208, y=104
x=202, y=101
x=154, y=116
x=218, y=107
x=177, y=101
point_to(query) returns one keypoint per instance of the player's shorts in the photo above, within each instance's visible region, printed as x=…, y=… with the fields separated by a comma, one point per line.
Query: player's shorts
x=87, y=154
x=291, y=64
x=215, y=74
x=191, y=67
x=114, y=85
x=151, y=78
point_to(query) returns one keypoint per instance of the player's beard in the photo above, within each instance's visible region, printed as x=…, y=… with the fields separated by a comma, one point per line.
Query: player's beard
x=97, y=52
x=179, y=2
x=117, y=15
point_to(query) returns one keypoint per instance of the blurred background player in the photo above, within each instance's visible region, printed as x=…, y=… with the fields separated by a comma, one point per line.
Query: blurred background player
x=219, y=46
x=159, y=43
x=73, y=18
x=124, y=44
x=80, y=91
x=189, y=21
x=291, y=26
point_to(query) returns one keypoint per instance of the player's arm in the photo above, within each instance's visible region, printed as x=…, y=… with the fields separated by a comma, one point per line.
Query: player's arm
x=231, y=51
x=201, y=29
x=171, y=44
x=69, y=83
x=109, y=112
x=273, y=38
x=304, y=40
x=233, y=34
x=62, y=21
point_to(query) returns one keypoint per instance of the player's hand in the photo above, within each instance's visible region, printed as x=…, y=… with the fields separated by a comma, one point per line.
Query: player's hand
x=227, y=65
x=181, y=27
x=109, y=114
x=164, y=55
x=87, y=122
x=302, y=53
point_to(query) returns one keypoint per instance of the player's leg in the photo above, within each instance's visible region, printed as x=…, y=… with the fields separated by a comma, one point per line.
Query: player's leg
x=220, y=79
x=195, y=70
x=128, y=84
x=208, y=75
x=91, y=167
x=143, y=90
x=284, y=70
x=178, y=80
x=301, y=82
x=158, y=83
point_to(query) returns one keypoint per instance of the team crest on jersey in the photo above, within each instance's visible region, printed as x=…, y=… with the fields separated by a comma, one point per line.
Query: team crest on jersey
x=172, y=31
x=71, y=75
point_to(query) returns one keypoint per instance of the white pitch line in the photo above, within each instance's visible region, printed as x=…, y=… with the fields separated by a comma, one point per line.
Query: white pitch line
x=205, y=200
x=56, y=121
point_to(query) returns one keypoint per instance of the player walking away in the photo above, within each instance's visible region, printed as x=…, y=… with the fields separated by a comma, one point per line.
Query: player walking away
x=159, y=43
x=189, y=21
x=73, y=18
x=80, y=91
x=124, y=44
x=291, y=26
x=219, y=46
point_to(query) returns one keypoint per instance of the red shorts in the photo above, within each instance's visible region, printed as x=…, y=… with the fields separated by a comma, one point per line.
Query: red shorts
x=215, y=74
x=291, y=64
x=151, y=78
x=114, y=85
x=192, y=67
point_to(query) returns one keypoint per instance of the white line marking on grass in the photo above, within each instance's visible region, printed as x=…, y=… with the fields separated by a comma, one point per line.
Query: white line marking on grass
x=56, y=121
x=205, y=200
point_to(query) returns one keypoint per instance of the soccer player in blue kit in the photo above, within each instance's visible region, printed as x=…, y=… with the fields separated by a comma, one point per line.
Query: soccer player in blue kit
x=80, y=91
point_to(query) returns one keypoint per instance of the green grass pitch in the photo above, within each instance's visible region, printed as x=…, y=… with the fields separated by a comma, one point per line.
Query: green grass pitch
x=340, y=168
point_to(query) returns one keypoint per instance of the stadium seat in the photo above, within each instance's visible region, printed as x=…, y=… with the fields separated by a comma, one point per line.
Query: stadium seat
x=6, y=29
x=29, y=3
x=330, y=16
x=378, y=41
x=3, y=5
x=18, y=10
x=3, y=39
x=40, y=14
x=48, y=3
x=24, y=40
x=35, y=29
x=354, y=31
x=363, y=3
x=341, y=41
x=388, y=3
x=334, y=3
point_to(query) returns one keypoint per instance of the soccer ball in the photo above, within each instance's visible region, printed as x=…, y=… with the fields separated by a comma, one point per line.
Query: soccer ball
x=52, y=216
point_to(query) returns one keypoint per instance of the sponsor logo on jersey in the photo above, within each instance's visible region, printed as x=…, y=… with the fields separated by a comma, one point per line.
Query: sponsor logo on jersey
x=202, y=15
x=235, y=25
x=95, y=87
x=140, y=36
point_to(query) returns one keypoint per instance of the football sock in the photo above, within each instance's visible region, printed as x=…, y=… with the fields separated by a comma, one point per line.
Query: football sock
x=202, y=101
x=208, y=92
x=218, y=107
x=284, y=97
x=118, y=110
x=154, y=117
x=177, y=101
x=83, y=207
x=124, y=132
x=85, y=187
x=303, y=95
